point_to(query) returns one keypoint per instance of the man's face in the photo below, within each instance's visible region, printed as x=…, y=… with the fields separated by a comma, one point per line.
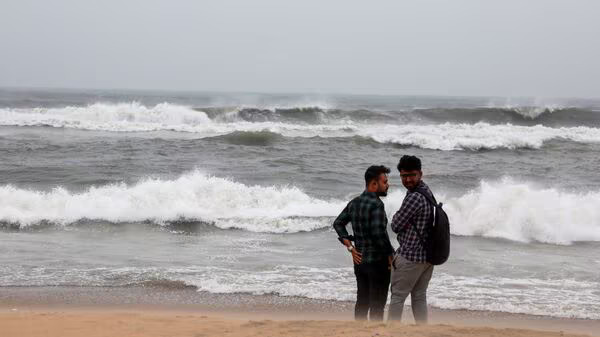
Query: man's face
x=382, y=185
x=410, y=179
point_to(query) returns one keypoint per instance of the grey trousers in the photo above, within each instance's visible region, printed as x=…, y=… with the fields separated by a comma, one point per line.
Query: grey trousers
x=409, y=278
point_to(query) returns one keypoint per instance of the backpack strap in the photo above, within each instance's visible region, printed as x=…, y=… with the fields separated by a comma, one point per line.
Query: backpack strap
x=429, y=198
x=419, y=234
x=433, y=202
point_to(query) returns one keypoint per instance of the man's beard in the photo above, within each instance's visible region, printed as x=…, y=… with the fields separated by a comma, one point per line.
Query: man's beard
x=412, y=186
x=381, y=193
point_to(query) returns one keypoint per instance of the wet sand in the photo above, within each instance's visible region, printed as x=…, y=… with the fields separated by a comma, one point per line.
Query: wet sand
x=182, y=311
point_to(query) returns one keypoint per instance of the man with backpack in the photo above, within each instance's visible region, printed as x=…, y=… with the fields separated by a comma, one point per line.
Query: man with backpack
x=420, y=245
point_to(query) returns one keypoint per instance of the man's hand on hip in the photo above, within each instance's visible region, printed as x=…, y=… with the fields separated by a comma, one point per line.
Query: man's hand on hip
x=356, y=255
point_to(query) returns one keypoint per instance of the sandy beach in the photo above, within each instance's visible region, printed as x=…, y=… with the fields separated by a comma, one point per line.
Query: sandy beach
x=152, y=311
x=170, y=323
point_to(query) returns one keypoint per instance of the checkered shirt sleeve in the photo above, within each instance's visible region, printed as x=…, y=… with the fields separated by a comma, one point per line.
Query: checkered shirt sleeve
x=414, y=212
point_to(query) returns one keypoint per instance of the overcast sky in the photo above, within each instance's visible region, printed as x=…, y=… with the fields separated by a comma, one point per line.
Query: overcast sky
x=544, y=48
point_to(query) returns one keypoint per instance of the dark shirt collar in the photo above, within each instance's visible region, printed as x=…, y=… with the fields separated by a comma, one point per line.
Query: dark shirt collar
x=370, y=194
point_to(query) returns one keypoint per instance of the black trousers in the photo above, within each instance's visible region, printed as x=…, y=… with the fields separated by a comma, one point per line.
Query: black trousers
x=372, y=283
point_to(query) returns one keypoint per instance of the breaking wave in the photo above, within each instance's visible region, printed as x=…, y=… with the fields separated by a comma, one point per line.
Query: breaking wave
x=247, y=127
x=132, y=117
x=480, y=136
x=525, y=116
x=522, y=212
x=505, y=209
x=191, y=197
x=109, y=116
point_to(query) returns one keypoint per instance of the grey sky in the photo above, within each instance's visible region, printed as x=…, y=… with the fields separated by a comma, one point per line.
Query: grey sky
x=445, y=47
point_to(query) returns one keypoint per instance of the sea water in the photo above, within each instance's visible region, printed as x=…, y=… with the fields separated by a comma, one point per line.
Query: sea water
x=236, y=193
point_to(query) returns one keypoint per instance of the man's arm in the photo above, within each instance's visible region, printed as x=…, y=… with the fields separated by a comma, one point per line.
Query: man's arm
x=340, y=227
x=410, y=206
x=340, y=224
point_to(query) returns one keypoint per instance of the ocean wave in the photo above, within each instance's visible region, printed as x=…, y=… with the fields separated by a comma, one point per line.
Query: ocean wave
x=124, y=117
x=302, y=115
x=521, y=115
x=309, y=115
x=519, y=211
x=480, y=136
x=259, y=138
x=193, y=197
x=133, y=117
x=522, y=212
x=443, y=137
x=505, y=209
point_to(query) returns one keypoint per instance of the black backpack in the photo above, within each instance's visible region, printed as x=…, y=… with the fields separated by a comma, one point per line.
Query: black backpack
x=437, y=246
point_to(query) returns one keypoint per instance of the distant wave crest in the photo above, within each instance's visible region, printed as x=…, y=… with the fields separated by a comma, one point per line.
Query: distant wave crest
x=124, y=117
x=249, y=126
x=480, y=136
x=551, y=116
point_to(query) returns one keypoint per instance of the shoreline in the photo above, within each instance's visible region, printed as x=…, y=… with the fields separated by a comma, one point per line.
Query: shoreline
x=151, y=300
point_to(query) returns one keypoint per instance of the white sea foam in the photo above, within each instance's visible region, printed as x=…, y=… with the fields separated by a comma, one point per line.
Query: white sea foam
x=551, y=297
x=557, y=298
x=478, y=136
x=107, y=117
x=193, y=196
x=535, y=111
x=505, y=209
x=521, y=212
x=527, y=107
x=134, y=117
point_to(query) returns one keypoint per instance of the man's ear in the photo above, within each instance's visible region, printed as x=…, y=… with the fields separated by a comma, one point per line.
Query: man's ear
x=373, y=182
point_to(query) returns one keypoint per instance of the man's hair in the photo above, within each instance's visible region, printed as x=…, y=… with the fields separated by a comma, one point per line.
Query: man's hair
x=373, y=173
x=409, y=163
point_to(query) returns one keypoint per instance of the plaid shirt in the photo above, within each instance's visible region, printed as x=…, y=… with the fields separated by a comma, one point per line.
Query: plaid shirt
x=369, y=224
x=414, y=212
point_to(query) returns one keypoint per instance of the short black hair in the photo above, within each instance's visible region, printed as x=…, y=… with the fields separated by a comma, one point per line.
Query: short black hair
x=373, y=173
x=409, y=163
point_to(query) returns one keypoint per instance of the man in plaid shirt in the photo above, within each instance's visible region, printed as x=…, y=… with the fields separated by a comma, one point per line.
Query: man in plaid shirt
x=373, y=252
x=411, y=272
